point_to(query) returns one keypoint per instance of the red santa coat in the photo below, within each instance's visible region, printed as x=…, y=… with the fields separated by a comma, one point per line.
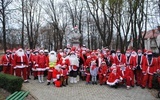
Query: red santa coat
x=113, y=78
x=149, y=68
x=103, y=70
x=35, y=62
x=119, y=61
x=64, y=62
x=20, y=61
x=109, y=58
x=74, y=63
x=131, y=62
x=140, y=64
x=59, y=55
x=12, y=59
x=56, y=74
x=6, y=60
x=47, y=61
x=124, y=73
x=29, y=57
x=41, y=62
x=158, y=62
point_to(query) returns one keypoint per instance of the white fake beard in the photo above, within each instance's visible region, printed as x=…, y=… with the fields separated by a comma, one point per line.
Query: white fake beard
x=20, y=53
x=52, y=58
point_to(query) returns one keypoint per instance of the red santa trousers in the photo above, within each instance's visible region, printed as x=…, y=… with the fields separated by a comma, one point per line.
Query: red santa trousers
x=102, y=79
x=49, y=76
x=88, y=78
x=7, y=69
x=22, y=72
x=128, y=81
x=138, y=76
x=147, y=78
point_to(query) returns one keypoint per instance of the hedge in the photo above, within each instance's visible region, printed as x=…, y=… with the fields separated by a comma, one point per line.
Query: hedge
x=10, y=83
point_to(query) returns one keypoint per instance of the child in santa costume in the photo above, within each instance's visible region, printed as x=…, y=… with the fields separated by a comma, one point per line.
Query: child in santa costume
x=94, y=72
x=52, y=63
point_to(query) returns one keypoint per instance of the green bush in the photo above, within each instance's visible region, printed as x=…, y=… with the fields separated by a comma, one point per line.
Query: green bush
x=10, y=83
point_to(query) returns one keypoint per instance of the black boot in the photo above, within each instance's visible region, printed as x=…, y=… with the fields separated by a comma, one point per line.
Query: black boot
x=48, y=83
x=35, y=78
x=66, y=81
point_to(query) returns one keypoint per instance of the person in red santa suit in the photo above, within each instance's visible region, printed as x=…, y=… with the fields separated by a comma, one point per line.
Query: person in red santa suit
x=158, y=68
x=73, y=68
x=21, y=64
x=99, y=59
x=56, y=75
x=148, y=69
x=82, y=62
x=87, y=69
x=130, y=63
x=41, y=66
x=52, y=63
x=108, y=59
x=29, y=57
x=119, y=58
x=12, y=61
x=114, y=78
x=125, y=73
x=6, y=62
x=64, y=62
x=139, y=63
x=35, y=64
x=102, y=73
x=60, y=54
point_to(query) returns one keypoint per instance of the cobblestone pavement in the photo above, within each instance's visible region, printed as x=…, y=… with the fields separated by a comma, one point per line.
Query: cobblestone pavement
x=81, y=91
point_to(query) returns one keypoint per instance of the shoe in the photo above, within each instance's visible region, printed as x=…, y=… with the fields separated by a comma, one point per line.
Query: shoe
x=26, y=81
x=128, y=87
x=48, y=83
x=142, y=87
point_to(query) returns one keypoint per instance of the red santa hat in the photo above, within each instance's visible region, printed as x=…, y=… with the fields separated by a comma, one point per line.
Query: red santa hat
x=139, y=51
x=41, y=51
x=149, y=52
x=14, y=50
x=128, y=51
x=8, y=51
x=72, y=52
x=46, y=51
x=103, y=62
x=118, y=51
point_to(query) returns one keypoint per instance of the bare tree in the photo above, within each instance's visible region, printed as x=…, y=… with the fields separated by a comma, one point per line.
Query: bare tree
x=3, y=14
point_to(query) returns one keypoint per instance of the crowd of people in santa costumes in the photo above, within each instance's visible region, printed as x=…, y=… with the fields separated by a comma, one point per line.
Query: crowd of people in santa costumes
x=101, y=66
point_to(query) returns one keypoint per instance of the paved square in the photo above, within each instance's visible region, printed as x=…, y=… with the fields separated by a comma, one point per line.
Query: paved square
x=81, y=91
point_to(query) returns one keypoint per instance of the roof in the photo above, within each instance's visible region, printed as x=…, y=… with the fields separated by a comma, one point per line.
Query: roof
x=151, y=33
